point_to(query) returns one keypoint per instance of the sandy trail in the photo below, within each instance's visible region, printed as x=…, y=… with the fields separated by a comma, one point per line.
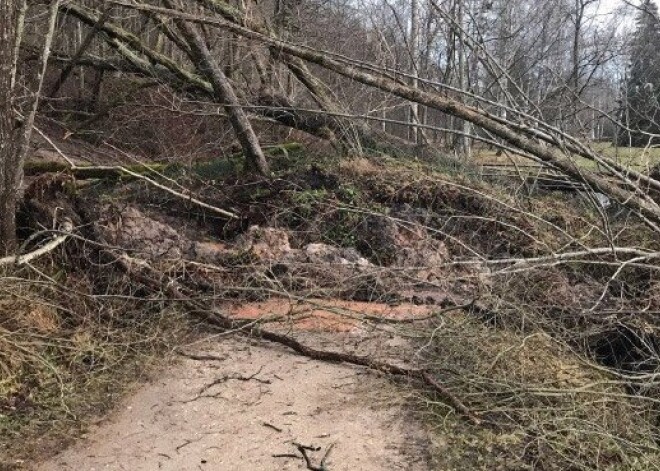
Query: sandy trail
x=244, y=412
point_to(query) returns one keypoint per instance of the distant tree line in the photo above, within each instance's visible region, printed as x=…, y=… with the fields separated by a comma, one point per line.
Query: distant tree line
x=640, y=101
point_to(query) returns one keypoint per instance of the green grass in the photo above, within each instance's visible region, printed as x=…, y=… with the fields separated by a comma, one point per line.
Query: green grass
x=637, y=157
x=633, y=156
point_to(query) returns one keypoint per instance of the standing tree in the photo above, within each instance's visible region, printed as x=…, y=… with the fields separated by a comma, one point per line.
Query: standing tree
x=578, y=18
x=17, y=119
x=9, y=15
x=640, y=110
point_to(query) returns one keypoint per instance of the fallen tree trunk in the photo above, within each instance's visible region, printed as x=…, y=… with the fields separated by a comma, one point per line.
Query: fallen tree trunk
x=110, y=172
x=635, y=199
x=340, y=131
x=623, y=189
x=55, y=242
x=93, y=172
x=115, y=172
x=280, y=109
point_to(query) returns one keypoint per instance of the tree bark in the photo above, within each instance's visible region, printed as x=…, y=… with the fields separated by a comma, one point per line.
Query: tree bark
x=463, y=147
x=414, y=67
x=9, y=12
x=14, y=135
x=204, y=61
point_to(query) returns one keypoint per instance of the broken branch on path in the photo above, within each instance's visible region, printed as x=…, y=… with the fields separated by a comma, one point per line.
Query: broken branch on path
x=144, y=273
x=372, y=364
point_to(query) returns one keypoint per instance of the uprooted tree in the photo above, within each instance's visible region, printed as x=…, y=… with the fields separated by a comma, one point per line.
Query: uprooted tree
x=177, y=52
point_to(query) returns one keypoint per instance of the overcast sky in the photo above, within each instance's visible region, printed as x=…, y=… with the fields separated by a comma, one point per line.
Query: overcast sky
x=625, y=13
x=607, y=6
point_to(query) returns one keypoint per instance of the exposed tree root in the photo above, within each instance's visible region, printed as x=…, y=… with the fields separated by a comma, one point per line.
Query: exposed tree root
x=187, y=293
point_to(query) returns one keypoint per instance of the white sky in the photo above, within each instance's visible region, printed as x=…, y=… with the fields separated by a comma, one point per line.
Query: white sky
x=607, y=6
x=619, y=11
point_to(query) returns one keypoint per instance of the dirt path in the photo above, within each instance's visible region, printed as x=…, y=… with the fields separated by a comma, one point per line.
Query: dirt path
x=246, y=410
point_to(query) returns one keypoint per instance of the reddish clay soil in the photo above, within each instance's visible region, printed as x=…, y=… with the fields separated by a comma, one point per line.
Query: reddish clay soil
x=326, y=315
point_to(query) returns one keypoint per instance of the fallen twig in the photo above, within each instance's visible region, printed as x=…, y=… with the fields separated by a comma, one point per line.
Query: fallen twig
x=269, y=425
x=303, y=449
x=226, y=378
x=286, y=455
x=455, y=402
x=200, y=357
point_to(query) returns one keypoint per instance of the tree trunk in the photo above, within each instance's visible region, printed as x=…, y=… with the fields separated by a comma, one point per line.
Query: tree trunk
x=414, y=66
x=463, y=147
x=575, y=58
x=202, y=58
x=15, y=138
x=9, y=15
x=64, y=75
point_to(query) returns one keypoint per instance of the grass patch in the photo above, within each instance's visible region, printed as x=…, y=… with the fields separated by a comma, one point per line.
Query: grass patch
x=547, y=408
x=636, y=157
x=643, y=158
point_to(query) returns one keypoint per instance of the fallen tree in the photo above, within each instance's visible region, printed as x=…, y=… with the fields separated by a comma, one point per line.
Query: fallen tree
x=624, y=186
x=330, y=123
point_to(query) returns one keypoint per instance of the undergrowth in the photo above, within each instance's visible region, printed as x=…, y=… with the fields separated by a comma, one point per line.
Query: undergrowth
x=545, y=405
x=68, y=351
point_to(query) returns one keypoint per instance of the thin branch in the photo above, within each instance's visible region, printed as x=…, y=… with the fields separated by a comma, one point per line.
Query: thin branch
x=24, y=259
